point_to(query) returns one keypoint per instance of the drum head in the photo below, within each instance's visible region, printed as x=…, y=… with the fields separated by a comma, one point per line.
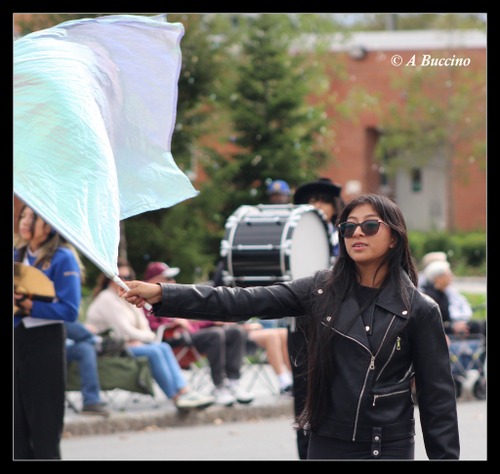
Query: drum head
x=310, y=250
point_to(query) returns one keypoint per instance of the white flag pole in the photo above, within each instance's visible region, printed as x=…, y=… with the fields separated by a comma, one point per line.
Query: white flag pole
x=122, y=284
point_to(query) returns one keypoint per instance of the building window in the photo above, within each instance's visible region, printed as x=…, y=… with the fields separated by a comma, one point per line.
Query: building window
x=416, y=180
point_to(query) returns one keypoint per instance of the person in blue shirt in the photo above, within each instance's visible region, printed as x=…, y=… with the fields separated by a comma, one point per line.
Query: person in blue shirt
x=81, y=348
x=40, y=336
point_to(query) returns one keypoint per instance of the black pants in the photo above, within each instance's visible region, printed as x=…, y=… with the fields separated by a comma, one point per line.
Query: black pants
x=225, y=348
x=39, y=386
x=298, y=357
x=321, y=447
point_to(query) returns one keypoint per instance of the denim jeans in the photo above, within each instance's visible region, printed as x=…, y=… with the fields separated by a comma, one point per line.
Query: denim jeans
x=77, y=332
x=80, y=347
x=85, y=355
x=166, y=370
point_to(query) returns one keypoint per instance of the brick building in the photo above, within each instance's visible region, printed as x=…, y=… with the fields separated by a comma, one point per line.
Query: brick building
x=443, y=194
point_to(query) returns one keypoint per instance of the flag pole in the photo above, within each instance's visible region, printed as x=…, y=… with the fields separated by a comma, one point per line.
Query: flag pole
x=116, y=279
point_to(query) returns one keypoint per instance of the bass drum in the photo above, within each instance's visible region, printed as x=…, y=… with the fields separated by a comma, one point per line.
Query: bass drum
x=265, y=244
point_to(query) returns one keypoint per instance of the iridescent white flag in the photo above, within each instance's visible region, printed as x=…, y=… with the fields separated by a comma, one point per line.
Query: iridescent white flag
x=94, y=111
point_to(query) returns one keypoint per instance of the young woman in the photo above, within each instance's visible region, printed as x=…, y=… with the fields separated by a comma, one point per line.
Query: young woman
x=39, y=339
x=108, y=310
x=370, y=334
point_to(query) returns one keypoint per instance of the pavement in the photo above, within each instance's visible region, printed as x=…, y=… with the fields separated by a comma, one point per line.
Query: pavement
x=133, y=412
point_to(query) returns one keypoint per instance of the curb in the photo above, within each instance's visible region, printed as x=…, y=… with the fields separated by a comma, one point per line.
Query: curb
x=84, y=425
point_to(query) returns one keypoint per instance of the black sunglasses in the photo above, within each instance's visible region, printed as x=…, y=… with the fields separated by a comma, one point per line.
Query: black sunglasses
x=369, y=228
x=125, y=278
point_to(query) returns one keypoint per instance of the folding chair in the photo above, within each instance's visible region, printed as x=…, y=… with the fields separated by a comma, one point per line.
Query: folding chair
x=256, y=368
x=189, y=358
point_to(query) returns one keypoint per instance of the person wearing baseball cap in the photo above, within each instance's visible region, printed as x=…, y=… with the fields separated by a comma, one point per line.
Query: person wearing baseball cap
x=155, y=269
x=278, y=192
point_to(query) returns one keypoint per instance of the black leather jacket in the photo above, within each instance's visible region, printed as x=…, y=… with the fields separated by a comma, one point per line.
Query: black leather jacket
x=371, y=387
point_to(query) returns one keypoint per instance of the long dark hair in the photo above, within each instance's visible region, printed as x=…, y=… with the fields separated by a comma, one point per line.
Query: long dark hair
x=339, y=285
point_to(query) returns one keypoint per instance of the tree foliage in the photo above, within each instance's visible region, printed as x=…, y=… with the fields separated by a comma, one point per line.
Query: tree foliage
x=275, y=125
x=254, y=101
x=439, y=113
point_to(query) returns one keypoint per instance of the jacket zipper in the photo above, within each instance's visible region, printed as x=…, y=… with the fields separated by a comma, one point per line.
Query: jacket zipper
x=376, y=397
x=370, y=367
x=398, y=347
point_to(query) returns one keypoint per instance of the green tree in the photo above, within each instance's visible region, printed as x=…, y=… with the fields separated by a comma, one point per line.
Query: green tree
x=258, y=101
x=444, y=112
x=179, y=235
x=277, y=129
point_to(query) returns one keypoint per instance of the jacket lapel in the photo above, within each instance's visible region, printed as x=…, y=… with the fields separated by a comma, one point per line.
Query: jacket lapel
x=350, y=322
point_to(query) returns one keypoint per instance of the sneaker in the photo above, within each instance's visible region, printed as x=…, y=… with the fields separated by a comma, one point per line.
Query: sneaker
x=287, y=391
x=95, y=409
x=193, y=399
x=242, y=396
x=224, y=397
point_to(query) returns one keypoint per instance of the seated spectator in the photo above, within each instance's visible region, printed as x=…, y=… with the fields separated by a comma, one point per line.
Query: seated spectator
x=427, y=259
x=107, y=310
x=224, y=345
x=274, y=341
x=81, y=348
x=455, y=309
x=270, y=334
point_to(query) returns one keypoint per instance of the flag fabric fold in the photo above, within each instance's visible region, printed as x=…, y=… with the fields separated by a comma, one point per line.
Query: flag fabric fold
x=94, y=112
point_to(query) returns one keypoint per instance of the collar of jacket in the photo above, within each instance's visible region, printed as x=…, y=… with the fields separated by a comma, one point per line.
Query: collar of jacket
x=388, y=299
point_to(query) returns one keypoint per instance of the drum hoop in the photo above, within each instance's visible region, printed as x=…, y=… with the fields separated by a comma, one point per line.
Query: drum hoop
x=291, y=223
x=284, y=243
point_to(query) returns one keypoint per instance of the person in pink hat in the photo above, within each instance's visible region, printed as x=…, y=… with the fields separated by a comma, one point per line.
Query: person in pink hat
x=223, y=345
x=160, y=269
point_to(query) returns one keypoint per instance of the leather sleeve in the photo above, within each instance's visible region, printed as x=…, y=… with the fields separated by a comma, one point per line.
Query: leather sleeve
x=434, y=383
x=205, y=302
